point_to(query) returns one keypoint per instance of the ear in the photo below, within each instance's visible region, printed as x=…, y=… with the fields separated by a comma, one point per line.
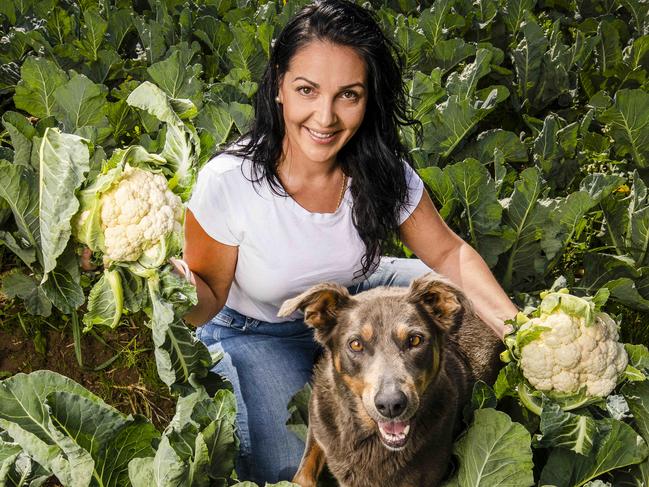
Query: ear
x=320, y=304
x=440, y=300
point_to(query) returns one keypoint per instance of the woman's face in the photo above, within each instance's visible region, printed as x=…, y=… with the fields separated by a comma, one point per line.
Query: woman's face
x=323, y=95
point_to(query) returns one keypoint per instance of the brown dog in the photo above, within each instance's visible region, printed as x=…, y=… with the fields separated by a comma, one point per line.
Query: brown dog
x=399, y=365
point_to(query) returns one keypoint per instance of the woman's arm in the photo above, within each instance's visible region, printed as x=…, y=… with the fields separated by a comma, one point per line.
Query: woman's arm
x=212, y=264
x=428, y=236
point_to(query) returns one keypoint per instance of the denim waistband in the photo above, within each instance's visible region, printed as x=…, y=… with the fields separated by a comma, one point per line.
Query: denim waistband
x=231, y=318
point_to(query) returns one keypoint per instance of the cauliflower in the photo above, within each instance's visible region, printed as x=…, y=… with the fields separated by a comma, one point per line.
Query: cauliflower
x=137, y=213
x=571, y=354
x=568, y=350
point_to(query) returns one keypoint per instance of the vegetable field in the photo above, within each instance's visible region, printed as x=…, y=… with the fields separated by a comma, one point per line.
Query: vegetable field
x=534, y=145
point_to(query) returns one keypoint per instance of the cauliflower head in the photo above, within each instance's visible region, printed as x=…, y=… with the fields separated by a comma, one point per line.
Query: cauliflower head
x=137, y=213
x=568, y=352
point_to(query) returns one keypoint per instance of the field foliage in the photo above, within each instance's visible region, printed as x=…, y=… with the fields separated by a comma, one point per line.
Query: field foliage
x=534, y=143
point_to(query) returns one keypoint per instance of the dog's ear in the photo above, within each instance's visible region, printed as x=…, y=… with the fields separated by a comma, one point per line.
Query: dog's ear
x=320, y=304
x=439, y=299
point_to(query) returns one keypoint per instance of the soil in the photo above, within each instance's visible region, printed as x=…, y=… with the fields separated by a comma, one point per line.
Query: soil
x=129, y=384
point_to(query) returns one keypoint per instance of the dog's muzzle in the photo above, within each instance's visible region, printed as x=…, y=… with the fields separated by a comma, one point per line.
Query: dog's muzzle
x=391, y=404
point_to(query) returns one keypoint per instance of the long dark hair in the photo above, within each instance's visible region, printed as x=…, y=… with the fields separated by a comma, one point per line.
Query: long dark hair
x=374, y=156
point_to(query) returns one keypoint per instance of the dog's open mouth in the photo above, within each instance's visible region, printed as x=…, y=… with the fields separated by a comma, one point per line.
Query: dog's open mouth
x=394, y=434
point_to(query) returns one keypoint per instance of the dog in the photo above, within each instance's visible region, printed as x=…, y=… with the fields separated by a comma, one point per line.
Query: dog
x=398, y=366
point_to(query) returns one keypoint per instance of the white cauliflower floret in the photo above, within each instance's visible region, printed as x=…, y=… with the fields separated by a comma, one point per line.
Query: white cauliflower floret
x=137, y=213
x=570, y=354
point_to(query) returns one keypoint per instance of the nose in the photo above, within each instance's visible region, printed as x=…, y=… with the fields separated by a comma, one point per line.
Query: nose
x=326, y=115
x=390, y=403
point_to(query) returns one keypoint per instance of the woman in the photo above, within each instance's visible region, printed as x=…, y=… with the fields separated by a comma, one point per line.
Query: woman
x=311, y=194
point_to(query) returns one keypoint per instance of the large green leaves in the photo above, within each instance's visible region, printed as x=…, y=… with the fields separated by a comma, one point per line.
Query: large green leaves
x=180, y=356
x=566, y=430
x=40, y=78
x=494, y=451
x=197, y=449
x=618, y=447
x=628, y=123
x=63, y=160
x=70, y=431
x=107, y=440
x=80, y=103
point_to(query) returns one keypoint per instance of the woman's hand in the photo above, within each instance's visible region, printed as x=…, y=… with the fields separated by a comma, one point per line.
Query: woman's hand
x=85, y=260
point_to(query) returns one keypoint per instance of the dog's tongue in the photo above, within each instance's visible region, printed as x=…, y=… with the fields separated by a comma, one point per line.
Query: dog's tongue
x=394, y=427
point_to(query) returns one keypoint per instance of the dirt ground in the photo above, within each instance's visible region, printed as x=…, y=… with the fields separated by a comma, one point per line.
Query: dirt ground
x=129, y=382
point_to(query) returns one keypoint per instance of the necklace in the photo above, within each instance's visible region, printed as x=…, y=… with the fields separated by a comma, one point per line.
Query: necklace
x=342, y=190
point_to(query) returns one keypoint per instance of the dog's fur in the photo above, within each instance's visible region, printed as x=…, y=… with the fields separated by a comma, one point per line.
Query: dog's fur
x=435, y=377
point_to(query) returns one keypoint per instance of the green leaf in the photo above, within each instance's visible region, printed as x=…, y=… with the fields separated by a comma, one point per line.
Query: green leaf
x=298, y=410
x=93, y=29
x=535, y=230
x=216, y=121
x=476, y=192
x=483, y=149
x=619, y=447
x=638, y=358
x=494, y=451
x=40, y=78
x=609, y=49
x=515, y=12
x=242, y=114
x=60, y=25
x=214, y=33
x=636, y=395
x=567, y=430
x=19, y=189
x=105, y=301
x=527, y=58
x=431, y=21
x=64, y=290
x=153, y=37
x=443, y=189
x=63, y=160
x=177, y=76
x=120, y=23
x=25, y=417
x=180, y=356
x=21, y=132
x=27, y=253
x=27, y=288
x=245, y=51
x=110, y=438
x=456, y=117
x=80, y=103
x=620, y=275
x=628, y=123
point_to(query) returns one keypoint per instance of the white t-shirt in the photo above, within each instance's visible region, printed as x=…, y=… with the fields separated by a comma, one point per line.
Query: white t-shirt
x=283, y=248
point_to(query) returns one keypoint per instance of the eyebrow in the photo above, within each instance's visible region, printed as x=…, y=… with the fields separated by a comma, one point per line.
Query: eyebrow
x=341, y=88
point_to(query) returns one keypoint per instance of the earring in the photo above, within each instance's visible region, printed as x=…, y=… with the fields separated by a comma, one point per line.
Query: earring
x=277, y=99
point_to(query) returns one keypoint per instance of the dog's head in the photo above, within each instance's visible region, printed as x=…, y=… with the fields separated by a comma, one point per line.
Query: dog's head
x=385, y=345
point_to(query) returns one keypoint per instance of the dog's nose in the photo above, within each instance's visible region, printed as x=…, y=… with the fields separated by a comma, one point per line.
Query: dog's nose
x=390, y=403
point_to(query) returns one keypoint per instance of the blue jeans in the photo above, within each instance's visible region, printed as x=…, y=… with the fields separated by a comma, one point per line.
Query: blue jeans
x=267, y=363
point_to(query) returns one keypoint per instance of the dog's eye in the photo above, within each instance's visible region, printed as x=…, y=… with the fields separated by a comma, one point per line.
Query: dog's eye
x=414, y=341
x=356, y=346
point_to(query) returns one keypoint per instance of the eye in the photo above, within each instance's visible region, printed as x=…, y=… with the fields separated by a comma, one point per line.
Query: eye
x=414, y=341
x=305, y=90
x=356, y=346
x=350, y=95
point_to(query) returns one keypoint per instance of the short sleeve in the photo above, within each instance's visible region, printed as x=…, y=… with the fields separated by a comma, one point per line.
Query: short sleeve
x=210, y=204
x=415, y=190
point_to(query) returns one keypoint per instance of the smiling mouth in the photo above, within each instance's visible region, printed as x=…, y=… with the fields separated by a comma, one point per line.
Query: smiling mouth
x=394, y=434
x=322, y=136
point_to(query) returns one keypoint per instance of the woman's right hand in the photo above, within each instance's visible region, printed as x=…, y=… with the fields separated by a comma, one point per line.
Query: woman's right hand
x=85, y=260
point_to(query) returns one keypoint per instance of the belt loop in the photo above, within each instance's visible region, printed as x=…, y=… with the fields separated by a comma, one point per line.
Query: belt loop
x=251, y=323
